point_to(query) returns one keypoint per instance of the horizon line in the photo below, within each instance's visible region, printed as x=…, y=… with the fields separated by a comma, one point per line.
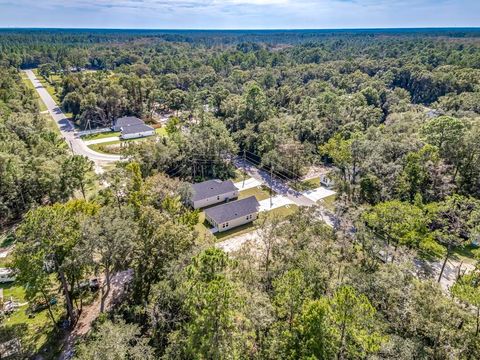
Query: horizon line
x=244, y=29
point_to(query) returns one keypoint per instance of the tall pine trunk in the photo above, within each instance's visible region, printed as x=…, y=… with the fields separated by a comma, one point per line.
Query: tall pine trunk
x=444, y=264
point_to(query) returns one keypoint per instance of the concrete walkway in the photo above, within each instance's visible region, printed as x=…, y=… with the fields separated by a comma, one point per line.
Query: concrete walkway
x=277, y=201
x=67, y=128
x=318, y=193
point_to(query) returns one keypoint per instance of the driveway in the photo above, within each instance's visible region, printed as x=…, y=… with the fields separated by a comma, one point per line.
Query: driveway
x=318, y=193
x=277, y=185
x=276, y=202
x=67, y=128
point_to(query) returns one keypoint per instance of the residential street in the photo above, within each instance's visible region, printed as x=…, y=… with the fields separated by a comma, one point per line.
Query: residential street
x=281, y=188
x=275, y=184
x=67, y=128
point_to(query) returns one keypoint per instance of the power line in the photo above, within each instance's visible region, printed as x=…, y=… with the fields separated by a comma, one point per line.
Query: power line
x=277, y=164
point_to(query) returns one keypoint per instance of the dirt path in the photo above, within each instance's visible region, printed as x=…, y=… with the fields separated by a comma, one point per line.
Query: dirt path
x=92, y=311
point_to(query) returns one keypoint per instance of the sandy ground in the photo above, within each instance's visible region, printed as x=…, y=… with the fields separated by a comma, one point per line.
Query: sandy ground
x=91, y=312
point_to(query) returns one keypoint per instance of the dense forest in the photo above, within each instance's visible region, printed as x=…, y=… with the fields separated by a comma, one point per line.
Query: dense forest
x=393, y=114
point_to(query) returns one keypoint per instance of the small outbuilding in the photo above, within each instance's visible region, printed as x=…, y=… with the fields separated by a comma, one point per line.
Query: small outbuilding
x=6, y=275
x=136, y=131
x=125, y=121
x=327, y=181
x=233, y=214
x=212, y=192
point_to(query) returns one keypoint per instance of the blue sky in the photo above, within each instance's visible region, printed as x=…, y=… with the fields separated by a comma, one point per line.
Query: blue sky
x=239, y=14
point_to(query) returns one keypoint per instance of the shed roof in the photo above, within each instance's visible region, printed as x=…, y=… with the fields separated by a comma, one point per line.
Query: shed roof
x=128, y=121
x=132, y=129
x=210, y=188
x=233, y=210
x=6, y=271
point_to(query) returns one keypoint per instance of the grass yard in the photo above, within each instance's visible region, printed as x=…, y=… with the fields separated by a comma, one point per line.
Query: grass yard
x=203, y=228
x=309, y=184
x=260, y=192
x=51, y=89
x=283, y=211
x=161, y=131
x=106, y=148
x=29, y=85
x=240, y=175
x=329, y=202
x=35, y=331
x=101, y=135
x=465, y=254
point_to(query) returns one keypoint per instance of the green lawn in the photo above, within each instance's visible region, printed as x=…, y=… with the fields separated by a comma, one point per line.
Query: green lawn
x=329, y=202
x=309, y=184
x=240, y=175
x=283, y=211
x=203, y=228
x=103, y=147
x=101, y=135
x=161, y=131
x=51, y=89
x=260, y=192
x=465, y=254
x=35, y=330
x=29, y=85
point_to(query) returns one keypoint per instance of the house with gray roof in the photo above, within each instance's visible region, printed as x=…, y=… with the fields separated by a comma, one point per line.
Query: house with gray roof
x=233, y=214
x=136, y=131
x=131, y=127
x=212, y=192
x=125, y=121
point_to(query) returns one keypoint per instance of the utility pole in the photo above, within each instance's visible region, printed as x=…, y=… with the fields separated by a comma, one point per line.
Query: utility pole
x=244, y=164
x=193, y=169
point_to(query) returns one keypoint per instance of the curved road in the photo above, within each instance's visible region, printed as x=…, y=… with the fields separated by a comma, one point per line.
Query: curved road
x=67, y=128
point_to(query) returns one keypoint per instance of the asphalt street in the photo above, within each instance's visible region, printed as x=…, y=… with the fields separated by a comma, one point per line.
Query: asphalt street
x=67, y=128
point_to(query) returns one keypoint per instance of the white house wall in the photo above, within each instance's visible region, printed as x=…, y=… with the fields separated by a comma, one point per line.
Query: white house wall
x=215, y=200
x=138, y=135
x=237, y=222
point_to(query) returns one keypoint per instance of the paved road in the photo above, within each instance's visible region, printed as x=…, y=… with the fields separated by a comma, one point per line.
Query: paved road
x=67, y=128
x=277, y=185
x=282, y=188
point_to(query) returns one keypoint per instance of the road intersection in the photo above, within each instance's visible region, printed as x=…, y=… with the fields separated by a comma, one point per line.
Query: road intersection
x=67, y=128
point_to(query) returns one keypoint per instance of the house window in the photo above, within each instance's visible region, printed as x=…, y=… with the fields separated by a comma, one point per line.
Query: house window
x=226, y=225
x=223, y=226
x=218, y=197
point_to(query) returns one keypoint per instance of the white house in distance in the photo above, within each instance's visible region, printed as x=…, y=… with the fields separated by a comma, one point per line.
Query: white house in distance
x=136, y=131
x=6, y=275
x=327, y=181
x=125, y=121
x=212, y=192
x=131, y=127
x=233, y=214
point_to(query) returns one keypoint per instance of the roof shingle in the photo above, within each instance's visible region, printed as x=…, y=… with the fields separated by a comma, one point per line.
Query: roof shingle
x=233, y=210
x=210, y=188
x=132, y=129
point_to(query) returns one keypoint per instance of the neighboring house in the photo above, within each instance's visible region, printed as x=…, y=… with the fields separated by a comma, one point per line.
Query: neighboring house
x=126, y=121
x=212, y=192
x=6, y=275
x=136, y=131
x=230, y=215
x=326, y=180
